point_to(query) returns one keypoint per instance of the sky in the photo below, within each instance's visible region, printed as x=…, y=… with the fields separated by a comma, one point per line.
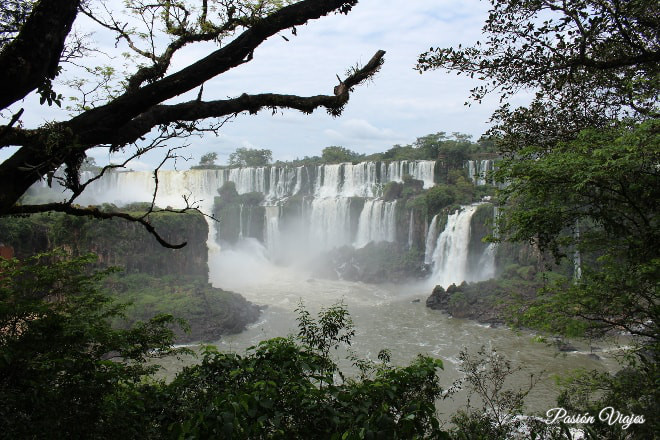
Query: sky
x=399, y=105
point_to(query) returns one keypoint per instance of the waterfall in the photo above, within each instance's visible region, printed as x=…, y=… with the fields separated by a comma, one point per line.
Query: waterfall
x=376, y=223
x=360, y=180
x=422, y=170
x=577, y=257
x=487, y=263
x=324, y=219
x=330, y=223
x=364, y=179
x=478, y=171
x=272, y=228
x=451, y=251
x=240, y=221
x=418, y=169
x=431, y=238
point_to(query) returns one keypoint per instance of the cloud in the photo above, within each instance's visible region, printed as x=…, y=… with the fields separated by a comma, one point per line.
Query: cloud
x=398, y=106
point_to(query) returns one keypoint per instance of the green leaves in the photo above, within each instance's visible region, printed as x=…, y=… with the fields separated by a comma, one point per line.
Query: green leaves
x=66, y=372
x=60, y=372
x=283, y=389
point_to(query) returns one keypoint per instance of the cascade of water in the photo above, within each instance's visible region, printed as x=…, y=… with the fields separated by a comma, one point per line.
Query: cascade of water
x=248, y=232
x=478, y=171
x=330, y=223
x=577, y=257
x=423, y=170
x=376, y=223
x=472, y=171
x=487, y=263
x=431, y=238
x=327, y=212
x=272, y=228
x=485, y=167
x=298, y=178
x=451, y=250
x=360, y=180
x=328, y=183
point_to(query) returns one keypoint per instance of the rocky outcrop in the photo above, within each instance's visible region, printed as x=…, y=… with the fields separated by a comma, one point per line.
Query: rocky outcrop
x=455, y=302
x=221, y=313
x=487, y=302
x=208, y=312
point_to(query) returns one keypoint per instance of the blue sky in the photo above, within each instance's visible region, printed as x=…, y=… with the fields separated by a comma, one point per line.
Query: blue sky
x=398, y=106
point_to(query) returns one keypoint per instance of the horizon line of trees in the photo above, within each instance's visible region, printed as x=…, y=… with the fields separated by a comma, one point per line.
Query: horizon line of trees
x=454, y=149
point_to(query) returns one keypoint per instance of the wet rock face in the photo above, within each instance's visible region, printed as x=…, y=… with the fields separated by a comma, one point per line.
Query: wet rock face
x=468, y=302
x=229, y=316
x=438, y=300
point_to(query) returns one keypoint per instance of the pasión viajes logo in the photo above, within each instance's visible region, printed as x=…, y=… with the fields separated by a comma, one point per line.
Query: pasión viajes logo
x=608, y=414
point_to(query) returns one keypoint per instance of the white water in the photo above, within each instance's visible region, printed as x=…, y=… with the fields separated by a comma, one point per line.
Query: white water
x=376, y=223
x=384, y=315
x=478, y=171
x=431, y=239
x=329, y=223
x=451, y=251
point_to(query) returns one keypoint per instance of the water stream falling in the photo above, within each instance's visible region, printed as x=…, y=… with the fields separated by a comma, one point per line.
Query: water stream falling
x=384, y=314
x=376, y=223
x=431, y=238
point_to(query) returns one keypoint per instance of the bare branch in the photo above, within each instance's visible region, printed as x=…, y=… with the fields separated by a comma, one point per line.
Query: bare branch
x=195, y=110
x=95, y=212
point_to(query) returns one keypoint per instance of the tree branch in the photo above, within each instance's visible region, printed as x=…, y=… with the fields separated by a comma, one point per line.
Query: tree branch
x=195, y=110
x=33, y=56
x=133, y=103
x=47, y=148
x=93, y=211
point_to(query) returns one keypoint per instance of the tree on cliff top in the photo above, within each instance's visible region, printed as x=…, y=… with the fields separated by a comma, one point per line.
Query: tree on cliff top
x=126, y=111
x=581, y=163
x=250, y=157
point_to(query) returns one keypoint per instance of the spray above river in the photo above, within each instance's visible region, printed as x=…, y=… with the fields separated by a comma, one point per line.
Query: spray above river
x=277, y=223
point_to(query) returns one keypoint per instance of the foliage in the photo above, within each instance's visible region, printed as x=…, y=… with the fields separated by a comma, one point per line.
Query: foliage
x=287, y=389
x=581, y=162
x=63, y=367
x=208, y=160
x=66, y=373
x=116, y=241
x=486, y=374
x=629, y=391
x=601, y=188
x=250, y=157
x=453, y=150
x=13, y=14
x=336, y=154
x=457, y=191
x=588, y=61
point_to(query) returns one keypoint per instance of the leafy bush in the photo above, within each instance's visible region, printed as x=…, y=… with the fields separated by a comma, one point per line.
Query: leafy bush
x=66, y=373
x=60, y=374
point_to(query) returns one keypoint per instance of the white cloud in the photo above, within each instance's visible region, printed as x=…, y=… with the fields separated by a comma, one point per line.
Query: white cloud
x=398, y=106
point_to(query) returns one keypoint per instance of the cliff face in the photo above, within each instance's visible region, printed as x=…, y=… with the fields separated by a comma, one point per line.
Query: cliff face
x=154, y=279
x=117, y=242
x=209, y=312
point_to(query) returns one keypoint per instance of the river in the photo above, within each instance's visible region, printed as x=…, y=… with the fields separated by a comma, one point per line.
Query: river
x=389, y=316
